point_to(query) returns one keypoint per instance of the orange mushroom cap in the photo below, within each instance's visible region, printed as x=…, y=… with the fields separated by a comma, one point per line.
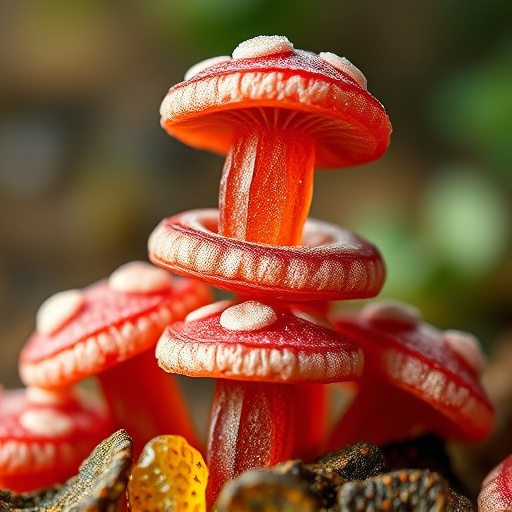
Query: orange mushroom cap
x=326, y=92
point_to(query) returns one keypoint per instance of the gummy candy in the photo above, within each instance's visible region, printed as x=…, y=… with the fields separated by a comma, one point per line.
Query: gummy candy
x=170, y=475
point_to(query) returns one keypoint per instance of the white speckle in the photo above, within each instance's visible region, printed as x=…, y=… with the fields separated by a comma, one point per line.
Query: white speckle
x=46, y=422
x=391, y=311
x=146, y=457
x=262, y=45
x=58, y=309
x=49, y=396
x=468, y=347
x=205, y=64
x=247, y=316
x=312, y=317
x=344, y=65
x=208, y=310
x=139, y=277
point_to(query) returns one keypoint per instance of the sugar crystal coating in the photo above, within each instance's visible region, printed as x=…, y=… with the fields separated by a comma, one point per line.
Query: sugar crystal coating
x=247, y=316
x=468, y=347
x=391, y=311
x=262, y=45
x=495, y=494
x=57, y=310
x=313, y=318
x=46, y=422
x=343, y=64
x=139, y=277
x=208, y=310
x=205, y=64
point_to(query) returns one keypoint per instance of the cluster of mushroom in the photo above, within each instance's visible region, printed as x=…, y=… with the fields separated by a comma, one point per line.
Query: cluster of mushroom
x=107, y=331
x=277, y=112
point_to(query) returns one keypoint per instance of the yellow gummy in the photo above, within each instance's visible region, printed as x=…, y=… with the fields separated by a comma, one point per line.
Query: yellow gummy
x=170, y=476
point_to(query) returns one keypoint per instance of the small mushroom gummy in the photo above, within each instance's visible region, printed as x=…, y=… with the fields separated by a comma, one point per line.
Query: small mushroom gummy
x=45, y=435
x=98, y=486
x=417, y=379
x=109, y=330
x=262, y=355
x=277, y=112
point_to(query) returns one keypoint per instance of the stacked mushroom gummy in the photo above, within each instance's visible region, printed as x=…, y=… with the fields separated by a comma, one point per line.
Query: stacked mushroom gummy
x=277, y=112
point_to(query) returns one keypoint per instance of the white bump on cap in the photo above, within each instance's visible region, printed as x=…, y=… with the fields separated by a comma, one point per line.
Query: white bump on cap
x=46, y=422
x=139, y=277
x=313, y=318
x=49, y=396
x=391, y=311
x=205, y=64
x=56, y=310
x=343, y=64
x=468, y=347
x=262, y=45
x=247, y=316
x=208, y=310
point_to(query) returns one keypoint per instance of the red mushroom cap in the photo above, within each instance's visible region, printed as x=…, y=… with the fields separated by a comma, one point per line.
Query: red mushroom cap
x=44, y=436
x=328, y=93
x=81, y=333
x=253, y=341
x=332, y=263
x=496, y=492
x=440, y=368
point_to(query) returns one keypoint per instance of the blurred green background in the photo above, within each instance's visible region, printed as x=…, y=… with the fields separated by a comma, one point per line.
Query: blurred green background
x=86, y=172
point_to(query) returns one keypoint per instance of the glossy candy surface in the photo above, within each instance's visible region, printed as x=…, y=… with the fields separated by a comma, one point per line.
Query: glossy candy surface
x=290, y=80
x=170, y=475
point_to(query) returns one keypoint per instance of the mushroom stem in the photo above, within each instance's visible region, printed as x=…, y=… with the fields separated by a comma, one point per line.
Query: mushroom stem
x=359, y=422
x=251, y=426
x=311, y=421
x=401, y=416
x=267, y=185
x=145, y=401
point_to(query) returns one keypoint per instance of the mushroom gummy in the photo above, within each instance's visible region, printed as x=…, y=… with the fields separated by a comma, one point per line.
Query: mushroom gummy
x=109, y=330
x=277, y=112
x=45, y=435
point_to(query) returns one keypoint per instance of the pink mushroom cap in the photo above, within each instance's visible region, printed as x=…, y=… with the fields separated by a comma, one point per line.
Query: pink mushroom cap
x=328, y=93
x=44, y=436
x=496, y=492
x=108, y=323
x=439, y=368
x=253, y=341
x=331, y=264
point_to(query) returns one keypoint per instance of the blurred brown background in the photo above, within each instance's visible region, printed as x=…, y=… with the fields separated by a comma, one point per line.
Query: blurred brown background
x=86, y=172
